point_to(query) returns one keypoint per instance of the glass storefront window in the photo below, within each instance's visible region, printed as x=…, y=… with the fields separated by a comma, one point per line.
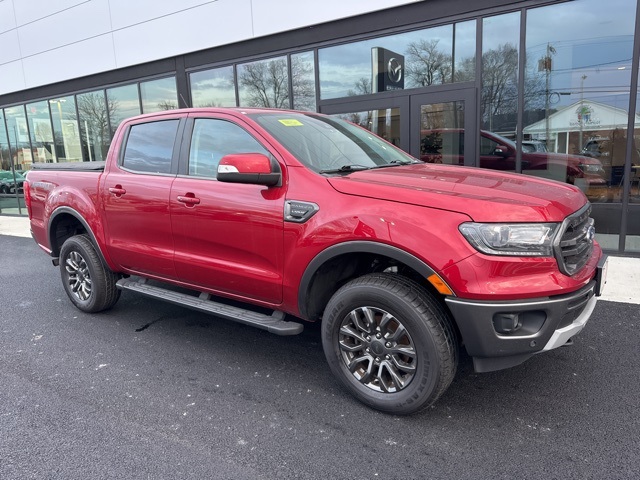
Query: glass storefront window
x=464, y=69
x=500, y=40
x=11, y=177
x=124, y=103
x=303, y=81
x=577, y=86
x=94, y=112
x=264, y=83
x=5, y=155
x=408, y=60
x=158, y=95
x=632, y=240
x=213, y=88
x=41, y=133
x=18, y=134
x=66, y=134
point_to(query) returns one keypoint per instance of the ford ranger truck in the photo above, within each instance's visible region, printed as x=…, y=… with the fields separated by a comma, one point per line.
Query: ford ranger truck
x=275, y=218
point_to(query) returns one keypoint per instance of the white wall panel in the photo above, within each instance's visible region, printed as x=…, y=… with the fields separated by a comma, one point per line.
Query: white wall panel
x=30, y=10
x=82, y=22
x=63, y=39
x=71, y=61
x=9, y=47
x=7, y=16
x=216, y=23
x=12, y=77
x=272, y=16
x=125, y=13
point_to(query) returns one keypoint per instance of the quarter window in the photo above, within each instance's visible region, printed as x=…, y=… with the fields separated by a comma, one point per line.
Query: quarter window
x=150, y=147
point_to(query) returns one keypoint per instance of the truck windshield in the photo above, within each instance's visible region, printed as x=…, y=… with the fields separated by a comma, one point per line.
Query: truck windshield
x=330, y=145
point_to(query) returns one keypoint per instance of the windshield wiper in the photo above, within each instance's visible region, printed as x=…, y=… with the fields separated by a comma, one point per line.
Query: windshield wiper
x=396, y=163
x=346, y=168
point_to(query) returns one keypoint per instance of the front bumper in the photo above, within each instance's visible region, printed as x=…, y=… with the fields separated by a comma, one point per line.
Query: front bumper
x=502, y=334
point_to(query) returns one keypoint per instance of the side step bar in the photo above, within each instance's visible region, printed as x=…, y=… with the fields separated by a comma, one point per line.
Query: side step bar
x=273, y=323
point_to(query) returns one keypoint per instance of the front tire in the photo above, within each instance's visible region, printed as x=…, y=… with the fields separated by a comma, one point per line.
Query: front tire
x=89, y=284
x=390, y=343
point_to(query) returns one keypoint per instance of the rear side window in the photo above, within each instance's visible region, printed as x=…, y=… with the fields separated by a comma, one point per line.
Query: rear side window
x=150, y=147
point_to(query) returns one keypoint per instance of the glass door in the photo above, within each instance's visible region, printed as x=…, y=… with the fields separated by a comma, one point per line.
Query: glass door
x=438, y=125
x=429, y=126
x=387, y=118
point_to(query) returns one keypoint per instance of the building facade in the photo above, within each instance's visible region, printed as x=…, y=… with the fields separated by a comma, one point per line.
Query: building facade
x=544, y=88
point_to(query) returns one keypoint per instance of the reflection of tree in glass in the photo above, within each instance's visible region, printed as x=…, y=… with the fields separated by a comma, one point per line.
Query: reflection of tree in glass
x=500, y=80
x=304, y=89
x=95, y=112
x=426, y=64
x=361, y=87
x=167, y=105
x=267, y=83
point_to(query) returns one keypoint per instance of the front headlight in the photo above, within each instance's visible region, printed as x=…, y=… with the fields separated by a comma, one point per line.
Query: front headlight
x=514, y=239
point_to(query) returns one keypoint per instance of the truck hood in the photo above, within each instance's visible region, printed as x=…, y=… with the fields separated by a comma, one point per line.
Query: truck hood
x=484, y=195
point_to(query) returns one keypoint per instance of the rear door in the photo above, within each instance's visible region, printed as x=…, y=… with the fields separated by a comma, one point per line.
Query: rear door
x=135, y=197
x=228, y=236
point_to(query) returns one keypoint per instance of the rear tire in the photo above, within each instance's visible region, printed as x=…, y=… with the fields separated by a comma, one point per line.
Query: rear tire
x=390, y=343
x=90, y=285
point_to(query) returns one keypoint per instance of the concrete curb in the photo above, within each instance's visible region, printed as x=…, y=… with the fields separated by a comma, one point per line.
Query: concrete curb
x=623, y=275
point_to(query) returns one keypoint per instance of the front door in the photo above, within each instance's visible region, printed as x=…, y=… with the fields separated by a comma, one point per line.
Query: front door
x=228, y=236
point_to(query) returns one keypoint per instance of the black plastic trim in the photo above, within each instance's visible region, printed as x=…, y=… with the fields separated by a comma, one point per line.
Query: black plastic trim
x=74, y=213
x=356, y=247
x=474, y=319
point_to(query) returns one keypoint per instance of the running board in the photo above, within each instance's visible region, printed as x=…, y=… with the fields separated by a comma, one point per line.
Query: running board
x=273, y=323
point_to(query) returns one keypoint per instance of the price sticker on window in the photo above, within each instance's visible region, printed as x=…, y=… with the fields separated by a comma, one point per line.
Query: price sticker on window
x=290, y=122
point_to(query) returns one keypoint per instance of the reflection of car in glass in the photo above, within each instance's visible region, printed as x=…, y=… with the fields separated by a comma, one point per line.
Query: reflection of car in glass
x=9, y=183
x=529, y=146
x=499, y=153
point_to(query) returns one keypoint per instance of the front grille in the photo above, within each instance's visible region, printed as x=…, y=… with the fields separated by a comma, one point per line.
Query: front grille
x=574, y=243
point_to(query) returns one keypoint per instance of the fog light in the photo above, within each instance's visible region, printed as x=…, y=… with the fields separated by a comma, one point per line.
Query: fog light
x=506, y=323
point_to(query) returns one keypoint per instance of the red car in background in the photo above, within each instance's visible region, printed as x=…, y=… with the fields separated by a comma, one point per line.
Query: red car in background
x=499, y=153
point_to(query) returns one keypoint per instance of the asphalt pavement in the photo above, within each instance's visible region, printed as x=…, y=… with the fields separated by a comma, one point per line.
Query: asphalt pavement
x=153, y=390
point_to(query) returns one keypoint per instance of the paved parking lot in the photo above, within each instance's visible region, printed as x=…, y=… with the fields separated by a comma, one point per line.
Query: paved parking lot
x=151, y=390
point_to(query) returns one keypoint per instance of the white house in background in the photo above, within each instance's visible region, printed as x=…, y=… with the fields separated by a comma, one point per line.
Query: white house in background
x=586, y=119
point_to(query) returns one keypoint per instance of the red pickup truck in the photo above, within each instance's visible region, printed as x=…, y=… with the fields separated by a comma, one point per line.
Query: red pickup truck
x=273, y=218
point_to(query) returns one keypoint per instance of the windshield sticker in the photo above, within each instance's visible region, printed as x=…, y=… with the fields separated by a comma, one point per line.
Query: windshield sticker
x=291, y=122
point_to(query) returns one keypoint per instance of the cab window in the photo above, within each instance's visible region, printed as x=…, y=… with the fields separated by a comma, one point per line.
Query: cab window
x=212, y=139
x=149, y=147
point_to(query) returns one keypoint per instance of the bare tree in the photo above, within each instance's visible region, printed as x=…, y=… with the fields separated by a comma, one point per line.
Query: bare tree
x=361, y=87
x=267, y=83
x=167, y=105
x=500, y=82
x=303, y=83
x=427, y=64
x=96, y=113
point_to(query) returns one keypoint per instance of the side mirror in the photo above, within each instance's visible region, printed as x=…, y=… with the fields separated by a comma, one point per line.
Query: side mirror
x=252, y=168
x=502, y=151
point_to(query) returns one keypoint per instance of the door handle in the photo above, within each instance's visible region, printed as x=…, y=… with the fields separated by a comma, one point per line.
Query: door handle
x=117, y=190
x=189, y=200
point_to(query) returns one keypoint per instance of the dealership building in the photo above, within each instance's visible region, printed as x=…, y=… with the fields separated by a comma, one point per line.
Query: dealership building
x=543, y=88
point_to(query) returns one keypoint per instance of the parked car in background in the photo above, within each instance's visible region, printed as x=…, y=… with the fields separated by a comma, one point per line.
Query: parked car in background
x=530, y=146
x=11, y=181
x=499, y=153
